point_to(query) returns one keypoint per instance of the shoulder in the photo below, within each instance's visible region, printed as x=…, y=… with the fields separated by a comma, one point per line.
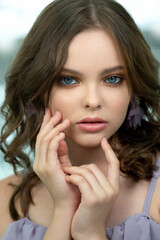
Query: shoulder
x=6, y=191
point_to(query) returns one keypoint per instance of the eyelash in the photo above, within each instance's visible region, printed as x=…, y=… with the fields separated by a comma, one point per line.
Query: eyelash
x=61, y=80
x=117, y=80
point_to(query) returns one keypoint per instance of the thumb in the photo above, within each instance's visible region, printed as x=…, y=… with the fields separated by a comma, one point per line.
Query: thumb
x=63, y=155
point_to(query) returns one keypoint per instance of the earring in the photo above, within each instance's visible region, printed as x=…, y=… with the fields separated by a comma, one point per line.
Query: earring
x=135, y=114
x=30, y=109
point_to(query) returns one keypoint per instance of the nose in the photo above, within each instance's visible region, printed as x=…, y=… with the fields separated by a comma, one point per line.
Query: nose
x=92, y=98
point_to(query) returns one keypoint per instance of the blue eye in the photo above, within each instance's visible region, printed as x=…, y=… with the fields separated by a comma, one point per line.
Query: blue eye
x=68, y=81
x=113, y=79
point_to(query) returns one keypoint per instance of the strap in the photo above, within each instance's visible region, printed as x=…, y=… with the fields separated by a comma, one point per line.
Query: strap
x=152, y=185
x=156, y=173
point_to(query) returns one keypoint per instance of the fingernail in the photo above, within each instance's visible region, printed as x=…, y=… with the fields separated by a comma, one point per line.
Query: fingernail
x=56, y=113
x=66, y=168
x=61, y=134
x=46, y=110
x=67, y=178
x=105, y=140
x=65, y=121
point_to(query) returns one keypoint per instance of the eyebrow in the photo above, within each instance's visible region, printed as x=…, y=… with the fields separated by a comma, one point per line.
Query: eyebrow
x=105, y=71
x=113, y=69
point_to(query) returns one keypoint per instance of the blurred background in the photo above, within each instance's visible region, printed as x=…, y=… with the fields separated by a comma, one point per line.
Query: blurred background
x=17, y=17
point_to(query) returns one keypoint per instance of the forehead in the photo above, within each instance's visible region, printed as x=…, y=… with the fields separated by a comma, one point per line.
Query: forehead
x=93, y=46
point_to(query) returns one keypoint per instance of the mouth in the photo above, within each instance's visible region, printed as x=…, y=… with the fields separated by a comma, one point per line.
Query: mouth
x=92, y=124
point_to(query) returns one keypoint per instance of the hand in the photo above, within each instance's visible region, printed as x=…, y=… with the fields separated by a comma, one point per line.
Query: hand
x=98, y=193
x=51, y=155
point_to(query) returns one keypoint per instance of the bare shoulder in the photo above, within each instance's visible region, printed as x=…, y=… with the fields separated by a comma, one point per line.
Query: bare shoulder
x=6, y=191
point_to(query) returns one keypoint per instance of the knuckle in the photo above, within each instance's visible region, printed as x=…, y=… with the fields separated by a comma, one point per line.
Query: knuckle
x=92, y=202
x=112, y=194
x=52, y=145
x=86, y=171
x=58, y=128
x=102, y=198
x=96, y=201
x=80, y=180
x=93, y=166
x=45, y=140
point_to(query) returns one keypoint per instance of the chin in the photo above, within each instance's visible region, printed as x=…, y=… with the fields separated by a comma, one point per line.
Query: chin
x=88, y=141
x=90, y=144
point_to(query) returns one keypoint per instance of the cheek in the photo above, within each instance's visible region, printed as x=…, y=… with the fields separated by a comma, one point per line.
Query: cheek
x=62, y=102
x=119, y=103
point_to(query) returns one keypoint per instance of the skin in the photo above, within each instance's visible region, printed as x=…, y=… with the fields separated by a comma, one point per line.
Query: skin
x=90, y=54
x=79, y=170
x=85, y=190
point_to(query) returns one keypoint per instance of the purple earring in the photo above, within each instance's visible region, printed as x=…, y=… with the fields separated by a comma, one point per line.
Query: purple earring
x=135, y=113
x=30, y=109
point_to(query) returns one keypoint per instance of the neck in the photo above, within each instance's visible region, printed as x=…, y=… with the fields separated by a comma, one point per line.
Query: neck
x=80, y=155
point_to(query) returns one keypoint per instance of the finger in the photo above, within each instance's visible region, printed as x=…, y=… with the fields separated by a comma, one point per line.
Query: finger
x=101, y=178
x=59, y=128
x=49, y=146
x=52, y=155
x=88, y=176
x=48, y=133
x=46, y=117
x=63, y=154
x=83, y=186
x=49, y=122
x=47, y=156
x=44, y=140
x=113, y=164
x=45, y=136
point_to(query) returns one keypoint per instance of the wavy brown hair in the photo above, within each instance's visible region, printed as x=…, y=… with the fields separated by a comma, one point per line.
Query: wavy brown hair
x=39, y=63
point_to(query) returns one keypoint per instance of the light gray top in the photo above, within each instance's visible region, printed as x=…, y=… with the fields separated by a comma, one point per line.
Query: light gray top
x=137, y=227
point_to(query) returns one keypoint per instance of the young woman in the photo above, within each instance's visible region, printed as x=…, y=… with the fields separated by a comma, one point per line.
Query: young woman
x=83, y=94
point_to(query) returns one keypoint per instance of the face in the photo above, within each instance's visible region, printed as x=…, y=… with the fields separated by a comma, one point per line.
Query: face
x=92, y=91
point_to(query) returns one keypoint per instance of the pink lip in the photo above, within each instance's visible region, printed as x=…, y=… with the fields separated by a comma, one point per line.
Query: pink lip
x=92, y=124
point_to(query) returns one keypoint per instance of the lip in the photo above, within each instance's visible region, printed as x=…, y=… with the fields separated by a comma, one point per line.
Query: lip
x=90, y=124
